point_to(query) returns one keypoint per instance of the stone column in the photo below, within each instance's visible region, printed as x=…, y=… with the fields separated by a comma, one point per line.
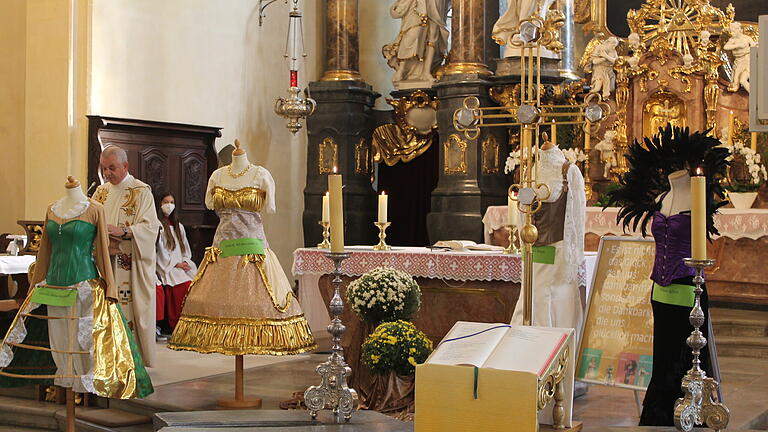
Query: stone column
x=468, y=38
x=471, y=170
x=342, y=41
x=339, y=132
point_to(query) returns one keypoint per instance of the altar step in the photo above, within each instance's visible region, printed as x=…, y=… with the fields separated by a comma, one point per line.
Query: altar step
x=741, y=333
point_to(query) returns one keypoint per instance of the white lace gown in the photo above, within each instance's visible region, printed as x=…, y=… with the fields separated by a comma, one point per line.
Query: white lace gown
x=556, y=296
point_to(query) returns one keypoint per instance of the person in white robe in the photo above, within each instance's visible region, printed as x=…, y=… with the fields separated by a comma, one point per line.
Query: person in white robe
x=133, y=228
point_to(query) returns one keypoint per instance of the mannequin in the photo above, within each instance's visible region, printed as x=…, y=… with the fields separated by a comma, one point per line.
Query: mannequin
x=241, y=302
x=678, y=199
x=73, y=278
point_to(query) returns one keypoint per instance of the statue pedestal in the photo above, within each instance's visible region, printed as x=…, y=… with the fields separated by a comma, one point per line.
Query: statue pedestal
x=339, y=135
x=550, y=68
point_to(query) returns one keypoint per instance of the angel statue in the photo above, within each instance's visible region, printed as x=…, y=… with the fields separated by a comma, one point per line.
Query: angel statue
x=598, y=59
x=420, y=47
x=505, y=28
x=634, y=45
x=607, y=154
x=739, y=45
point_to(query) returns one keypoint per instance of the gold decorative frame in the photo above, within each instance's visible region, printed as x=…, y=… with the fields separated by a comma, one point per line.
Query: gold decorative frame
x=490, y=148
x=455, y=146
x=325, y=165
x=362, y=157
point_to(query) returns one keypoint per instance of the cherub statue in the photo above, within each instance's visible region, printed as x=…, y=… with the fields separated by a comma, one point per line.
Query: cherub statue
x=634, y=45
x=607, y=153
x=739, y=45
x=687, y=60
x=421, y=45
x=600, y=63
x=508, y=23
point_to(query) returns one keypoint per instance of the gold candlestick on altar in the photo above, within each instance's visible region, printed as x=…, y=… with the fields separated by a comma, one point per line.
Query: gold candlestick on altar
x=514, y=236
x=382, y=246
x=326, y=243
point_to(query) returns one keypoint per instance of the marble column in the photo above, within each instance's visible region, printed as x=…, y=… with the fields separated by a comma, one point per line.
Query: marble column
x=339, y=132
x=342, y=41
x=468, y=39
x=471, y=170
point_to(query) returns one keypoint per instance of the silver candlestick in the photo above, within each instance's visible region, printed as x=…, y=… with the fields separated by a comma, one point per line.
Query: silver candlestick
x=696, y=407
x=333, y=392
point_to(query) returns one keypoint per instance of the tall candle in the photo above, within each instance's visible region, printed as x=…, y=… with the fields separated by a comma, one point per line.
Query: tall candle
x=326, y=209
x=554, y=132
x=512, y=216
x=754, y=141
x=587, y=138
x=731, y=127
x=698, y=216
x=337, y=213
x=383, y=207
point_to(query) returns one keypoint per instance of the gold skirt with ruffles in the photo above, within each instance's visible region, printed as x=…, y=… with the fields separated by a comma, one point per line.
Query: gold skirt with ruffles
x=233, y=308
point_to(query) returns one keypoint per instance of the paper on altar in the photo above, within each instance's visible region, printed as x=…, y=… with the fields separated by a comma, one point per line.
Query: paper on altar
x=510, y=348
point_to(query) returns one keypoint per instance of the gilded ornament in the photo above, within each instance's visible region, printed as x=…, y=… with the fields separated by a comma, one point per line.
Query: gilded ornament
x=490, y=148
x=455, y=155
x=362, y=157
x=327, y=155
x=412, y=133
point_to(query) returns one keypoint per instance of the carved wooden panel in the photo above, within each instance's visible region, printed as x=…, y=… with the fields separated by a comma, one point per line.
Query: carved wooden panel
x=154, y=170
x=194, y=180
x=455, y=155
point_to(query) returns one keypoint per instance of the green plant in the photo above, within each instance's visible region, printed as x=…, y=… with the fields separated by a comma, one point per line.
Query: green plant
x=384, y=294
x=603, y=195
x=395, y=346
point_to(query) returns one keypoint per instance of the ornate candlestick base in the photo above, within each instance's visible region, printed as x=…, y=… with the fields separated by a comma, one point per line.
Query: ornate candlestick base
x=382, y=246
x=333, y=392
x=326, y=243
x=513, y=237
x=696, y=406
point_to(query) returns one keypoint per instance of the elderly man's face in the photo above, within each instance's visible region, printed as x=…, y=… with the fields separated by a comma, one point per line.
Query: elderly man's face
x=113, y=170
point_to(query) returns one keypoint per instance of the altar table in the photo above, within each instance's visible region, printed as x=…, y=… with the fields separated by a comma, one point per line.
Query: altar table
x=12, y=268
x=741, y=248
x=468, y=286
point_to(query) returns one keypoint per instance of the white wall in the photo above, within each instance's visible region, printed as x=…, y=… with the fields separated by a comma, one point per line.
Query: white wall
x=209, y=63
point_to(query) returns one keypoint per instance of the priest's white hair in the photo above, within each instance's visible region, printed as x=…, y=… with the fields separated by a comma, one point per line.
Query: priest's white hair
x=117, y=151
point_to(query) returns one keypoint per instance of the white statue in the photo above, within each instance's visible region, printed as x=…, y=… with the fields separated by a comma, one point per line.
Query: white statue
x=421, y=44
x=687, y=60
x=607, y=154
x=739, y=45
x=508, y=23
x=634, y=45
x=600, y=63
x=704, y=38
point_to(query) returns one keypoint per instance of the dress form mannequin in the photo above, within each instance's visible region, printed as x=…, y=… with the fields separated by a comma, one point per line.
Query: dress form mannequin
x=235, y=176
x=74, y=195
x=678, y=199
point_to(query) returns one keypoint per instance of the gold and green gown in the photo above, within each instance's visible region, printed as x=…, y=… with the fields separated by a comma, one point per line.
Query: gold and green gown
x=241, y=304
x=87, y=345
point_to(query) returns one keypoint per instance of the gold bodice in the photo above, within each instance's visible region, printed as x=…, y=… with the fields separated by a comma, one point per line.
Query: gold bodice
x=247, y=198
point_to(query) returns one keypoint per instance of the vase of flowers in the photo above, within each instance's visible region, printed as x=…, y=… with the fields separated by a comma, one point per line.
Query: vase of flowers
x=746, y=175
x=384, y=294
x=391, y=354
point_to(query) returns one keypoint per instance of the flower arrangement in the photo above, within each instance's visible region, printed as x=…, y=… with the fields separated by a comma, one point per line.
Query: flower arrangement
x=384, y=294
x=755, y=174
x=395, y=346
x=573, y=155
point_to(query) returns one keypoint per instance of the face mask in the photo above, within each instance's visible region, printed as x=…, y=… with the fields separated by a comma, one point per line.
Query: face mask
x=167, y=208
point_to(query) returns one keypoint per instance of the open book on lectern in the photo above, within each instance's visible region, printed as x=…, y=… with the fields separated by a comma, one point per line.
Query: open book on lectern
x=500, y=346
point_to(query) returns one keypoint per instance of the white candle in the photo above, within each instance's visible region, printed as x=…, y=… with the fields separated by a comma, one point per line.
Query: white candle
x=383, y=207
x=554, y=132
x=512, y=216
x=754, y=141
x=731, y=127
x=326, y=208
x=698, y=216
x=337, y=213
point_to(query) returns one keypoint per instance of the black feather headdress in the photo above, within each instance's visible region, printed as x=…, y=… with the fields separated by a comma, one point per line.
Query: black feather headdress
x=651, y=161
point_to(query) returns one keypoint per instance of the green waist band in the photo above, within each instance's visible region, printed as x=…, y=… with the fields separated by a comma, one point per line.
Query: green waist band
x=674, y=294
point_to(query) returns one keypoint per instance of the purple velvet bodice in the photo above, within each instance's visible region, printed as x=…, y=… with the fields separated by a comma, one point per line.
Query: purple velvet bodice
x=672, y=235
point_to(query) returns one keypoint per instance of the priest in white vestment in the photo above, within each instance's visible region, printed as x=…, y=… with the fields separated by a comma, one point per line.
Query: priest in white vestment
x=133, y=228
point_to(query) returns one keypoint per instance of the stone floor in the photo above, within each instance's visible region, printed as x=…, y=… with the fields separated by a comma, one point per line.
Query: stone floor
x=201, y=380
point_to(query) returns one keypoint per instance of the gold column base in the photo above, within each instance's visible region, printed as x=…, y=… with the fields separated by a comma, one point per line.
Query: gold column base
x=341, y=75
x=466, y=68
x=512, y=249
x=382, y=246
x=326, y=243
